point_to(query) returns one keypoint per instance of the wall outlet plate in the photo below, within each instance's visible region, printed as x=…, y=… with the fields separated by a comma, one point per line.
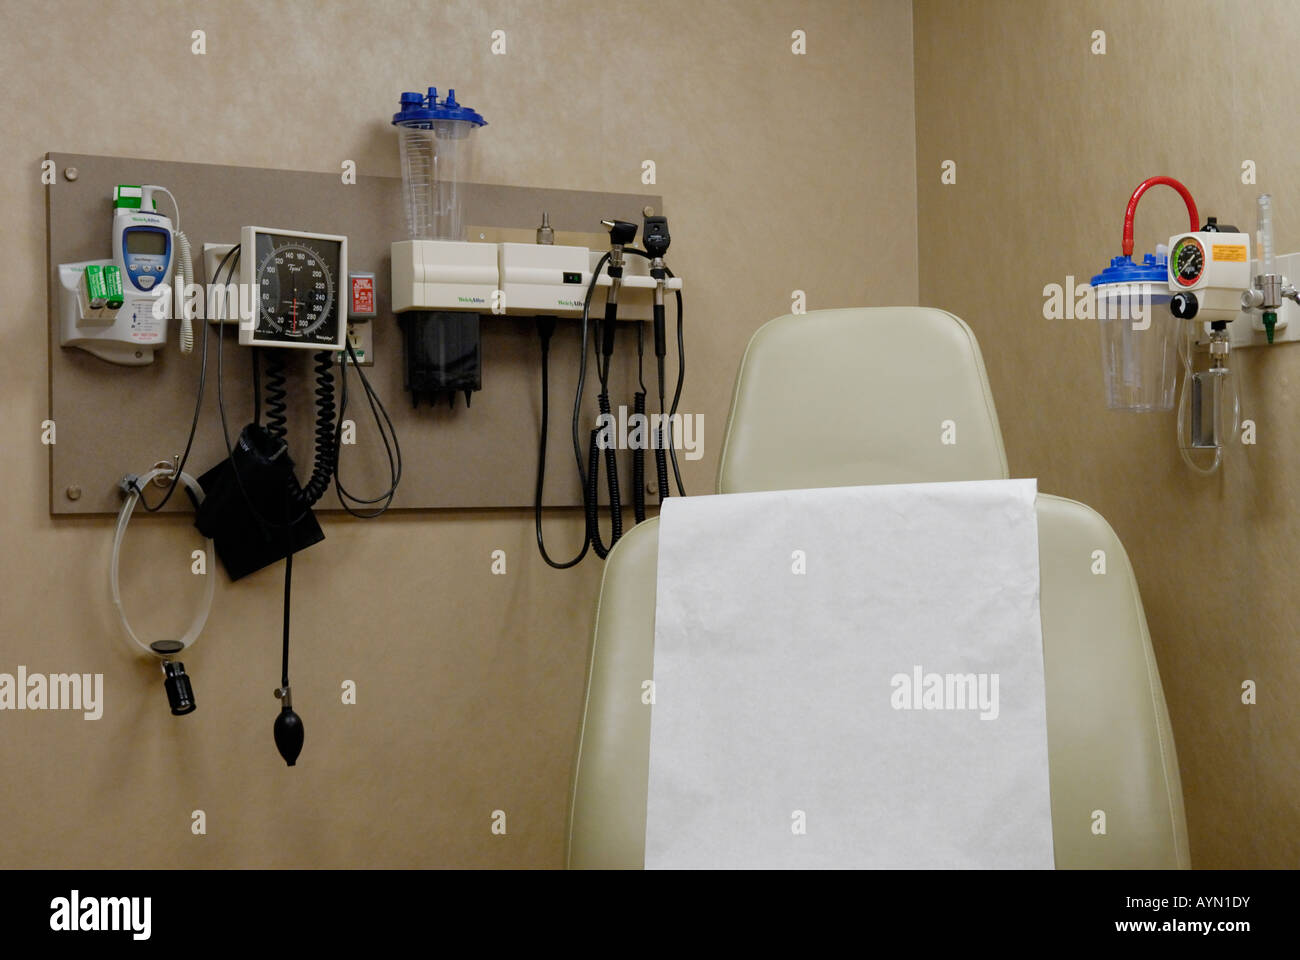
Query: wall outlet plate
x=361, y=334
x=213, y=254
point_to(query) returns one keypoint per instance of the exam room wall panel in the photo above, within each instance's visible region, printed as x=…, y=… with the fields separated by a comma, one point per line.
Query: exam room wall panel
x=777, y=172
x=1049, y=141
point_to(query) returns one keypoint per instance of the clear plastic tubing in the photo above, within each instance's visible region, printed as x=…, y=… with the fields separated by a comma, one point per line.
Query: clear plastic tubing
x=1264, y=235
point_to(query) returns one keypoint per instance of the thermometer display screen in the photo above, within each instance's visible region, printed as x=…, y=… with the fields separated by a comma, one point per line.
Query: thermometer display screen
x=146, y=242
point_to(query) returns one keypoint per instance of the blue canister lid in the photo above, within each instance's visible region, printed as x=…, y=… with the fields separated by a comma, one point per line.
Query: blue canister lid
x=1152, y=269
x=420, y=110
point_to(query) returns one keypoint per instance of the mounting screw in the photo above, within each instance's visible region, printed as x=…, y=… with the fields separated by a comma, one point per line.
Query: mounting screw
x=73, y=492
x=648, y=211
x=70, y=174
x=650, y=487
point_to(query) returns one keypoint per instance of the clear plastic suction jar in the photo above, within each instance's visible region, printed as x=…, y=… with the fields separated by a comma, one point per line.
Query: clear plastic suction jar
x=435, y=143
x=1139, y=336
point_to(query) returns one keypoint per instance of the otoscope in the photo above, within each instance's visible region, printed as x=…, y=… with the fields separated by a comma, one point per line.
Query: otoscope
x=655, y=237
x=621, y=234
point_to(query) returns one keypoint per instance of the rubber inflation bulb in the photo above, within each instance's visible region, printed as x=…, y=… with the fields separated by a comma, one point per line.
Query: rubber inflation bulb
x=288, y=734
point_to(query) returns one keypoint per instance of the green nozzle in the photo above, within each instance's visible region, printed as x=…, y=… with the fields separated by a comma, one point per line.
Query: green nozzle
x=1270, y=321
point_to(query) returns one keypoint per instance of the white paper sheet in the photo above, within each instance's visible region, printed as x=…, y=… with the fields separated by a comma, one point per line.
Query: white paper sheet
x=783, y=731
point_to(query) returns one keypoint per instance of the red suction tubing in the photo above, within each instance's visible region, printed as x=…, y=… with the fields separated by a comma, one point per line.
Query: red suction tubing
x=1142, y=188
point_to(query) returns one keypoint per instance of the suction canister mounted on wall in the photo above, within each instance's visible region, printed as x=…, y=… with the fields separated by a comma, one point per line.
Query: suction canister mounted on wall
x=1149, y=315
x=441, y=284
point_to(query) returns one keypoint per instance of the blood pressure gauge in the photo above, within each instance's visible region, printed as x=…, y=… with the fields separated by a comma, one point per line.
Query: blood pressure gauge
x=299, y=293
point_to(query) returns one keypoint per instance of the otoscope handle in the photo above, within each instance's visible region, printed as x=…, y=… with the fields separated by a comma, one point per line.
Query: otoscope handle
x=607, y=328
x=661, y=327
x=615, y=272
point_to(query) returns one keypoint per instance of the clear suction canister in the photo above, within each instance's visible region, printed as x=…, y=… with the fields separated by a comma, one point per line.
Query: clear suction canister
x=435, y=140
x=1139, y=336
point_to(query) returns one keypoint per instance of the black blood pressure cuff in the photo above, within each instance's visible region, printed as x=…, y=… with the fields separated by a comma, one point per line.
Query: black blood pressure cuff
x=248, y=499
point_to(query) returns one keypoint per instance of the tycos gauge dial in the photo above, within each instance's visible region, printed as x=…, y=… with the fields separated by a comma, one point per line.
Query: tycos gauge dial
x=299, y=288
x=296, y=287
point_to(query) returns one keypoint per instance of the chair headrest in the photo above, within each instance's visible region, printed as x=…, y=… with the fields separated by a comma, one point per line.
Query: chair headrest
x=857, y=396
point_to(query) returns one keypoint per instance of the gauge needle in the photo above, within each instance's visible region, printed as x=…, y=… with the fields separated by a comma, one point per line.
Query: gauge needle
x=293, y=304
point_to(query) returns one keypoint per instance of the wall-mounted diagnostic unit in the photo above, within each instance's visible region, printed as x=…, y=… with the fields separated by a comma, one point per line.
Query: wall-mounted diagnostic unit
x=290, y=296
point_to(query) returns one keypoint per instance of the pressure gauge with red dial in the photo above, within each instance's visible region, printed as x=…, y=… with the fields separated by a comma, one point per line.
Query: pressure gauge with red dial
x=1187, y=261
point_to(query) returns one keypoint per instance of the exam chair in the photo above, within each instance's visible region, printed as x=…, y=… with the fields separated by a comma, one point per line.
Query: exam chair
x=850, y=397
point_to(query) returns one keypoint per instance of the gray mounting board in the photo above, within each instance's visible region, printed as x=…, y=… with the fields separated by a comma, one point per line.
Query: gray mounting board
x=112, y=420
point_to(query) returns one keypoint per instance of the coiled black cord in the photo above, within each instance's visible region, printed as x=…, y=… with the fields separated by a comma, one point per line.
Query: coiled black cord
x=661, y=459
x=326, y=459
x=670, y=453
x=590, y=502
x=611, y=483
x=677, y=392
x=276, y=395
x=603, y=359
x=638, y=462
x=272, y=362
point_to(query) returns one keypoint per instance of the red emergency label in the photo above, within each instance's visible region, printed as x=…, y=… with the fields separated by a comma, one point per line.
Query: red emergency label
x=363, y=296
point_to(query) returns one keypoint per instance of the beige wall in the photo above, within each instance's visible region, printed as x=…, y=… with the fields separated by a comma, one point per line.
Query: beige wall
x=778, y=173
x=1049, y=142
